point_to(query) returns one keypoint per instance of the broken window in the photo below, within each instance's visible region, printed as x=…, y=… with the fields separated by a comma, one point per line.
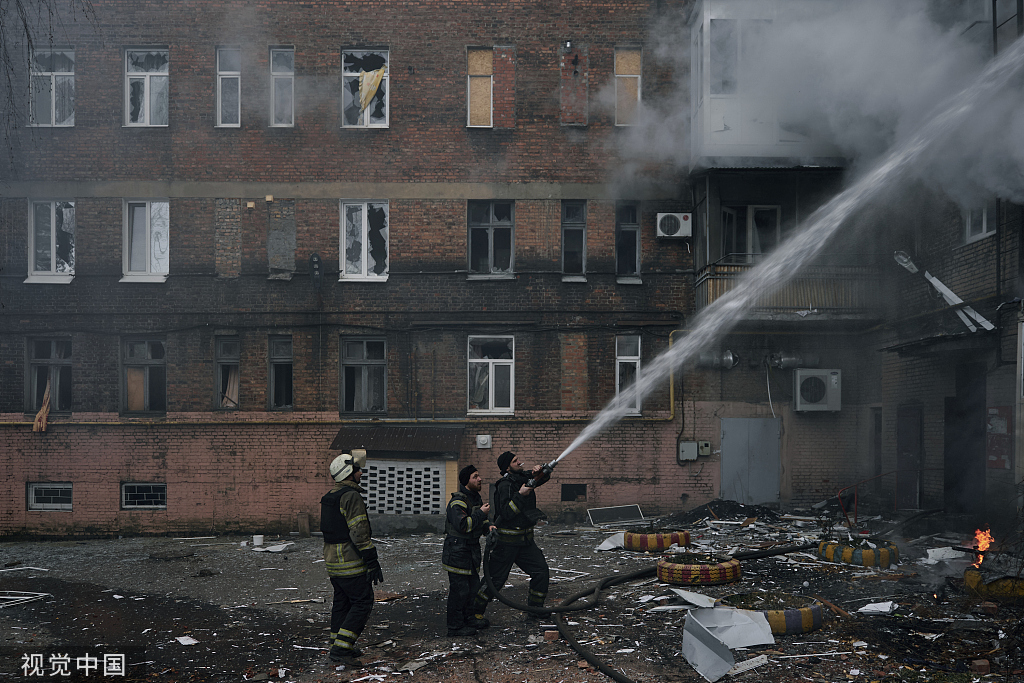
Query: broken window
x=574, y=237
x=490, y=238
x=749, y=231
x=364, y=88
x=627, y=85
x=282, y=86
x=364, y=240
x=229, y=87
x=979, y=221
x=49, y=374
x=627, y=367
x=145, y=376
x=491, y=374
x=280, y=373
x=228, y=366
x=50, y=495
x=479, y=86
x=51, y=240
x=146, y=87
x=363, y=371
x=627, y=240
x=724, y=44
x=53, y=88
x=146, y=240
x=147, y=495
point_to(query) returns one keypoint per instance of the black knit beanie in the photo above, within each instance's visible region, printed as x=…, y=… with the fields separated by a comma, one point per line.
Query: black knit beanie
x=465, y=473
x=504, y=459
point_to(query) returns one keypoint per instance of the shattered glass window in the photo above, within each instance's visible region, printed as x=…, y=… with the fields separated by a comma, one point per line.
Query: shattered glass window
x=282, y=81
x=146, y=87
x=490, y=237
x=52, y=238
x=50, y=374
x=228, y=365
x=627, y=240
x=574, y=231
x=364, y=239
x=724, y=43
x=145, y=376
x=52, y=88
x=229, y=78
x=627, y=85
x=363, y=372
x=147, y=237
x=627, y=367
x=491, y=374
x=364, y=88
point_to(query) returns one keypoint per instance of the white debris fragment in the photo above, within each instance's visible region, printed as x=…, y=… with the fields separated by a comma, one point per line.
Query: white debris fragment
x=186, y=640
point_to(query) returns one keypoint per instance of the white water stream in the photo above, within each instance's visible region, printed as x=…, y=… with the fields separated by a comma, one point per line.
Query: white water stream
x=785, y=263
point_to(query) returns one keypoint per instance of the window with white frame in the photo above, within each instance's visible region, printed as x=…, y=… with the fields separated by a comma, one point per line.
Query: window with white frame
x=363, y=375
x=627, y=85
x=364, y=240
x=627, y=367
x=480, y=81
x=280, y=372
x=53, y=88
x=491, y=374
x=574, y=237
x=979, y=221
x=146, y=86
x=627, y=240
x=749, y=232
x=146, y=240
x=490, y=238
x=49, y=368
x=229, y=87
x=282, y=86
x=51, y=241
x=364, y=88
x=143, y=495
x=228, y=352
x=50, y=495
x=145, y=376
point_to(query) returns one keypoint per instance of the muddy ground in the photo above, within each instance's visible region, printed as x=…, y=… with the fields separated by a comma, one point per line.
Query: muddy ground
x=264, y=615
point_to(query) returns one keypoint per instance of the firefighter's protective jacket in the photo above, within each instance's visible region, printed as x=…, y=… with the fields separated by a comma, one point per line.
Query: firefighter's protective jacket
x=515, y=514
x=464, y=524
x=346, y=529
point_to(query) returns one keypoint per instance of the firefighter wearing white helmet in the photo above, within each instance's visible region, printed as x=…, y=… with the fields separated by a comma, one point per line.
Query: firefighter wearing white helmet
x=349, y=555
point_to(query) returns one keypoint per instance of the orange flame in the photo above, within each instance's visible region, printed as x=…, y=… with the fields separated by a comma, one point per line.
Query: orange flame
x=982, y=540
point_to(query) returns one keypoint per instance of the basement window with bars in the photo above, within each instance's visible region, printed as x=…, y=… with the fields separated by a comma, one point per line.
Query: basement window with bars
x=53, y=88
x=399, y=487
x=364, y=92
x=49, y=374
x=50, y=495
x=51, y=242
x=143, y=496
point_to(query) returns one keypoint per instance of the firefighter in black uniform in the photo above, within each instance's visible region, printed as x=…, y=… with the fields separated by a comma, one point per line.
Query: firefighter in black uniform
x=466, y=521
x=515, y=515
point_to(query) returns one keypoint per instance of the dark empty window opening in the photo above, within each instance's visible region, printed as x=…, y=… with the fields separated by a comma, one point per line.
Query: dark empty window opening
x=574, y=492
x=143, y=496
x=490, y=238
x=281, y=372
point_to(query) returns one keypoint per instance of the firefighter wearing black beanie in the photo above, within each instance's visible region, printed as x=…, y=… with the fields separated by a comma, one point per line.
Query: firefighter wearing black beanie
x=465, y=522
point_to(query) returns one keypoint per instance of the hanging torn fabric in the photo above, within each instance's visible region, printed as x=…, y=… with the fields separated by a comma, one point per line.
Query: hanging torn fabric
x=39, y=424
x=369, y=81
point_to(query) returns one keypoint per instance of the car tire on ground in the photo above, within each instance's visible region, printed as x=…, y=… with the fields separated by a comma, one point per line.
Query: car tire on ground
x=884, y=555
x=686, y=573
x=648, y=542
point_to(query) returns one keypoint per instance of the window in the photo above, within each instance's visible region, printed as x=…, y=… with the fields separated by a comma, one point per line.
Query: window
x=979, y=221
x=49, y=374
x=53, y=88
x=146, y=87
x=627, y=85
x=490, y=238
x=146, y=240
x=363, y=372
x=51, y=241
x=478, y=88
x=574, y=238
x=280, y=373
x=282, y=87
x=627, y=367
x=228, y=360
x=491, y=374
x=749, y=231
x=364, y=240
x=574, y=493
x=229, y=87
x=152, y=496
x=627, y=241
x=50, y=495
x=364, y=91
x=724, y=59
x=145, y=376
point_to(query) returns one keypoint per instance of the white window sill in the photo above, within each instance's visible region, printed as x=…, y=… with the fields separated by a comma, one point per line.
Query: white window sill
x=48, y=125
x=480, y=127
x=357, y=278
x=228, y=125
x=145, y=125
x=977, y=238
x=491, y=276
x=143, y=278
x=574, y=278
x=629, y=280
x=377, y=127
x=491, y=413
x=281, y=125
x=39, y=279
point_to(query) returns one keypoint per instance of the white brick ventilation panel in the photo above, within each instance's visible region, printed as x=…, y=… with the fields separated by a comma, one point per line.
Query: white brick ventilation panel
x=404, y=487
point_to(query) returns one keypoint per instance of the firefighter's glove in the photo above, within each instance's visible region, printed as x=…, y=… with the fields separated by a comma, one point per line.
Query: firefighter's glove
x=374, y=574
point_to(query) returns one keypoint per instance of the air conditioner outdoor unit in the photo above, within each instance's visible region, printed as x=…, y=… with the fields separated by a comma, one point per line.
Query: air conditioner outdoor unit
x=675, y=224
x=817, y=389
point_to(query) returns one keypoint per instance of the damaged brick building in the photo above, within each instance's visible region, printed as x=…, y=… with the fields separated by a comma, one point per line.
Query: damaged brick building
x=234, y=239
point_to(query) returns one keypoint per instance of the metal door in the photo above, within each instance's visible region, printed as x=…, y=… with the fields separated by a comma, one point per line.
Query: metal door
x=750, y=459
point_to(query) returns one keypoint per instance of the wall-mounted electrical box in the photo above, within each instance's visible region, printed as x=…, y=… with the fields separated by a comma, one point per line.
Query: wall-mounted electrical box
x=687, y=451
x=483, y=440
x=703, y=448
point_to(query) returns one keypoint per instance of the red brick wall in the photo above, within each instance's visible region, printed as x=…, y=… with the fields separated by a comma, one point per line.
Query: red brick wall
x=574, y=89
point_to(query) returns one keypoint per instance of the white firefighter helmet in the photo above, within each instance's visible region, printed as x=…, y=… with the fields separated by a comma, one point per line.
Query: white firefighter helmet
x=346, y=463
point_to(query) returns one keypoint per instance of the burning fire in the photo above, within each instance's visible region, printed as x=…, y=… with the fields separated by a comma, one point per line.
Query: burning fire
x=982, y=540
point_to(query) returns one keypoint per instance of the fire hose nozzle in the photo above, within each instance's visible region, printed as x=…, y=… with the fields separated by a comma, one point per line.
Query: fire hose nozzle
x=544, y=476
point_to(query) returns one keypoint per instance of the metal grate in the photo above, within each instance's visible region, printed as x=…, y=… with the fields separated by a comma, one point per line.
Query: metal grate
x=401, y=487
x=143, y=496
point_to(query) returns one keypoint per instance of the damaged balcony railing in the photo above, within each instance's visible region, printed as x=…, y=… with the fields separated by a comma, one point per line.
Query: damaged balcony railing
x=895, y=491
x=826, y=289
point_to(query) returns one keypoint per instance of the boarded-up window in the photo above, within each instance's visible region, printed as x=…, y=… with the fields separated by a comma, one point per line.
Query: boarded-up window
x=627, y=85
x=481, y=75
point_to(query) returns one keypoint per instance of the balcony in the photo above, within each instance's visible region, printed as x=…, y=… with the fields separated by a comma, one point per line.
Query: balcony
x=832, y=292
